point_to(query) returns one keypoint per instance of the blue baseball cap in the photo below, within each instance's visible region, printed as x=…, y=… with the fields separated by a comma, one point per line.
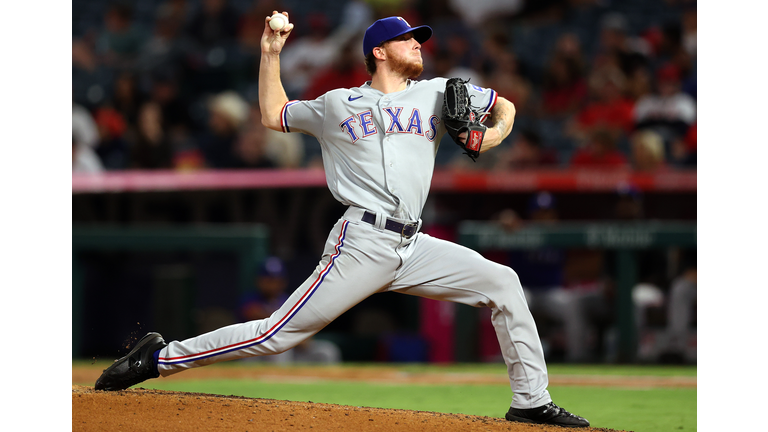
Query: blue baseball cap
x=541, y=201
x=629, y=190
x=389, y=28
x=272, y=267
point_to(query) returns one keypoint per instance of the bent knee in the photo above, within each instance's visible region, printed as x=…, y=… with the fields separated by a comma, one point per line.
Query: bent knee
x=504, y=280
x=507, y=278
x=506, y=286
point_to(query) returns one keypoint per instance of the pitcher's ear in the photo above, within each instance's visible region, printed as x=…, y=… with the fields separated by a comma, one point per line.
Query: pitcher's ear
x=379, y=52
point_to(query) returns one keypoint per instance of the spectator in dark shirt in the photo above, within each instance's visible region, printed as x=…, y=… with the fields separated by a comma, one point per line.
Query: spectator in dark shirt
x=165, y=92
x=215, y=23
x=629, y=203
x=227, y=112
x=121, y=40
x=270, y=283
x=540, y=269
x=251, y=146
x=672, y=49
x=618, y=47
x=269, y=294
x=152, y=149
x=91, y=80
x=167, y=47
x=125, y=97
x=507, y=80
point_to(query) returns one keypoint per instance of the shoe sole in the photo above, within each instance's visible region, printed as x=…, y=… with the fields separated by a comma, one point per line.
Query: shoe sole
x=140, y=344
x=525, y=420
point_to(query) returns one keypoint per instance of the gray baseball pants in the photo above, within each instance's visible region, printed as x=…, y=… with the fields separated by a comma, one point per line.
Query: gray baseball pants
x=361, y=259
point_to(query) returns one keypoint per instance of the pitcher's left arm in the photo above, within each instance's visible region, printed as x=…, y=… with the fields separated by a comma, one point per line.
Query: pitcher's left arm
x=502, y=118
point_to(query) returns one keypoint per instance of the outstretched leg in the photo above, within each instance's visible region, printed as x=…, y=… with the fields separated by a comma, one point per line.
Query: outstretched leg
x=357, y=262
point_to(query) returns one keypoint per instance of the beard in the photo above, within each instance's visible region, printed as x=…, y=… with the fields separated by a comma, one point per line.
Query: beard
x=406, y=67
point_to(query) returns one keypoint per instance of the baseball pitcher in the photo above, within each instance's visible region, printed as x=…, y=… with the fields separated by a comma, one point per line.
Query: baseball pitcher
x=378, y=143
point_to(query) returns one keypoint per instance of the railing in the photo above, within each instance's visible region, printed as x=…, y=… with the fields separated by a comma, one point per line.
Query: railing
x=443, y=180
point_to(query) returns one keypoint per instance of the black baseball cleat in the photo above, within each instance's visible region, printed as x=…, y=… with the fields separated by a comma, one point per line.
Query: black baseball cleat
x=137, y=366
x=547, y=414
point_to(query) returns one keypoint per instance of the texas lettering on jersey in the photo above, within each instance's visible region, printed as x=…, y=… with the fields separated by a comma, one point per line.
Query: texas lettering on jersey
x=361, y=125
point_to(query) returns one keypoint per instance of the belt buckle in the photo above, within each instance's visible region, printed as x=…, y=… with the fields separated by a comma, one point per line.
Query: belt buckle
x=414, y=226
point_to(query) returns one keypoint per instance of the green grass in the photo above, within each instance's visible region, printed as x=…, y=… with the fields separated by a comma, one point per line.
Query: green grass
x=622, y=370
x=553, y=369
x=647, y=410
x=479, y=368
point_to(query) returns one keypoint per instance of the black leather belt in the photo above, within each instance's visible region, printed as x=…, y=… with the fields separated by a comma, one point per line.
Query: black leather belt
x=405, y=230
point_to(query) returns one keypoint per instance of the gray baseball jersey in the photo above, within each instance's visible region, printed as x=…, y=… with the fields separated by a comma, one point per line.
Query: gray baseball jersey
x=378, y=153
x=379, y=149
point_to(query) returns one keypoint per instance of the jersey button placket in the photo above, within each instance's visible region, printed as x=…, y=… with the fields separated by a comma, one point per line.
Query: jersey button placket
x=388, y=158
x=391, y=176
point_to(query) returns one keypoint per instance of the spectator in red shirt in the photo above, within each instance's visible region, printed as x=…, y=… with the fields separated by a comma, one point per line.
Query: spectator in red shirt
x=564, y=88
x=112, y=147
x=609, y=110
x=684, y=149
x=600, y=152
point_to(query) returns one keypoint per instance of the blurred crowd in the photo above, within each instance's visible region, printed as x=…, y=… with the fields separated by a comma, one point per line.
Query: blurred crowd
x=173, y=84
x=572, y=291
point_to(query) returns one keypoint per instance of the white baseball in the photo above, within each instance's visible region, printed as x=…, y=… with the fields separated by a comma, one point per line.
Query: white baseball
x=278, y=21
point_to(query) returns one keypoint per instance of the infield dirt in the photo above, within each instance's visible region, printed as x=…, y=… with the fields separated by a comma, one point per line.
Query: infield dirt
x=141, y=410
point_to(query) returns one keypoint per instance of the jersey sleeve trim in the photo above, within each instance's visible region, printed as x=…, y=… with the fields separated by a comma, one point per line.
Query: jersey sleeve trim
x=284, y=115
x=491, y=104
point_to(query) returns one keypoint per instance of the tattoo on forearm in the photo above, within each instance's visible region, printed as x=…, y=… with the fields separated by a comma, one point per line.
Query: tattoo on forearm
x=500, y=122
x=501, y=125
x=501, y=119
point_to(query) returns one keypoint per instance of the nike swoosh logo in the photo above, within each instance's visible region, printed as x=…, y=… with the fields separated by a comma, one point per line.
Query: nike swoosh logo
x=351, y=98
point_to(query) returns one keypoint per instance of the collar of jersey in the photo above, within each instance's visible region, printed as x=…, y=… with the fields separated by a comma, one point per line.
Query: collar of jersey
x=408, y=85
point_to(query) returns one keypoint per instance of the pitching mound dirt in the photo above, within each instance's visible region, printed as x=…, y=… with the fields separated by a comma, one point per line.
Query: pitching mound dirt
x=152, y=410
